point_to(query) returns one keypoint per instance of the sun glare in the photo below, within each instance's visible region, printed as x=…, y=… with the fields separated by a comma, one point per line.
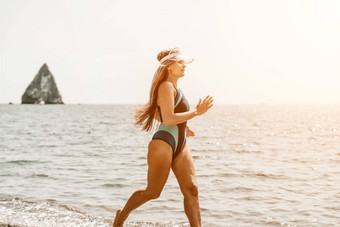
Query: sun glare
x=328, y=12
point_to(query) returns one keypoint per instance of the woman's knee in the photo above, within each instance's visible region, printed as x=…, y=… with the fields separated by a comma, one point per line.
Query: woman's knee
x=190, y=189
x=153, y=193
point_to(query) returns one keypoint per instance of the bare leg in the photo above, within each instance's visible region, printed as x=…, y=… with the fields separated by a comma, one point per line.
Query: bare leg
x=184, y=170
x=159, y=162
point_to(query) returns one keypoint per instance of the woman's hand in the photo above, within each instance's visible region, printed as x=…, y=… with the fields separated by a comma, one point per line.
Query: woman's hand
x=189, y=132
x=204, y=106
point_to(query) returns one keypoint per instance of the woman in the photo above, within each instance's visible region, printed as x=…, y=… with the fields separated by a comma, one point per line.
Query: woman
x=168, y=148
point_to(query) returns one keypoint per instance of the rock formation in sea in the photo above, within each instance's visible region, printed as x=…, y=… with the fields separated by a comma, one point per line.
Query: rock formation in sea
x=42, y=90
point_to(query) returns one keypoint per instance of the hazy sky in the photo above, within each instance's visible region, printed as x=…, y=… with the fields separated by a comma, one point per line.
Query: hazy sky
x=255, y=51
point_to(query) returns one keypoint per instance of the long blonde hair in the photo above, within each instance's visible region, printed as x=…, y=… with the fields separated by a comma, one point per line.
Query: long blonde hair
x=147, y=113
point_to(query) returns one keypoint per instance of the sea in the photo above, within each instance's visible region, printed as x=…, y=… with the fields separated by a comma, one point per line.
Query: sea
x=256, y=165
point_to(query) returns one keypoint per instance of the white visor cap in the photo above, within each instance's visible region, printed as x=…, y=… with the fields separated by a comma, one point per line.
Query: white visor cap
x=176, y=57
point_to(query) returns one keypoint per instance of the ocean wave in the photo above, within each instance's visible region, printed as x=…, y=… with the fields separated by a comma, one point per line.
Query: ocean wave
x=18, y=212
x=109, y=185
x=254, y=175
x=22, y=162
x=39, y=175
x=9, y=225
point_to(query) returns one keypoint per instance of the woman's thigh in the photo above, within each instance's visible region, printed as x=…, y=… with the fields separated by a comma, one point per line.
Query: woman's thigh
x=184, y=170
x=159, y=164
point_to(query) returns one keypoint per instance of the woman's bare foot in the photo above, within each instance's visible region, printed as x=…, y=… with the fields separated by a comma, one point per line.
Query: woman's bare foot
x=115, y=222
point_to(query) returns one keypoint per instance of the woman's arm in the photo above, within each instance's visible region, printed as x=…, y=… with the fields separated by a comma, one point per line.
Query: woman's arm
x=166, y=96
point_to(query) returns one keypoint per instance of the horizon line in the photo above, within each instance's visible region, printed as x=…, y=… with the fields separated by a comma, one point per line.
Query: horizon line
x=217, y=104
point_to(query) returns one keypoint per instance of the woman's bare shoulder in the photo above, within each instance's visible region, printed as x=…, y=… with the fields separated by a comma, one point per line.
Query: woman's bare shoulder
x=165, y=89
x=165, y=85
